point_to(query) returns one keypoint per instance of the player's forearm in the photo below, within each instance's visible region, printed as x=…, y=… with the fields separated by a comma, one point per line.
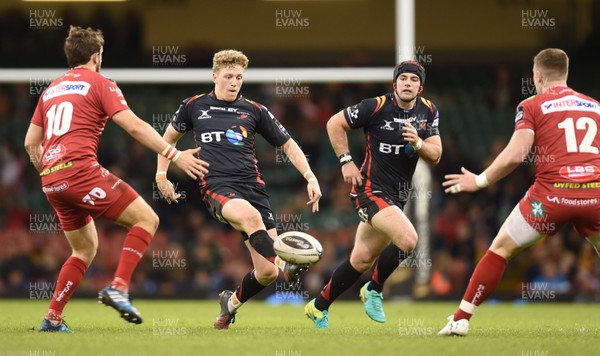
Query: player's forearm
x=35, y=153
x=297, y=157
x=431, y=152
x=510, y=158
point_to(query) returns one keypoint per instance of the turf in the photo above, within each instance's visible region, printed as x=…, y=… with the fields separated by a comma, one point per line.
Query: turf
x=185, y=328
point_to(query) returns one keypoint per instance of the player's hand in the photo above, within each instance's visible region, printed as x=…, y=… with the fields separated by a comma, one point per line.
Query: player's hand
x=314, y=194
x=191, y=165
x=166, y=188
x=410, y=133
x=456, y=183
x=351, y=174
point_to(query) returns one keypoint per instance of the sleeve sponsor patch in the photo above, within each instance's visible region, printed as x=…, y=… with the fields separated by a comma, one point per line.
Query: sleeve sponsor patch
x=519, y=114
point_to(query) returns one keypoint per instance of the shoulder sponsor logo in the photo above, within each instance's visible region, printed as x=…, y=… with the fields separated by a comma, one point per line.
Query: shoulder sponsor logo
x=204, y=115
x=55, y=188
x=352, y=112
x=582, y=173
x=570, y=103
x=519, y=114
x=66, y=88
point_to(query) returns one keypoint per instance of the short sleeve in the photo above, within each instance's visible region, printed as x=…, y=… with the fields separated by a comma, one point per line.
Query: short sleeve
x=181, y=120
x=111, y=96
x=270, y=128
x=433, y=123
x=358, y=115
x=524, y=116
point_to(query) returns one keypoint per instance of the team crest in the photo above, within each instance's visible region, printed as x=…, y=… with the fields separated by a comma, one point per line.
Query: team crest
x=537, y=209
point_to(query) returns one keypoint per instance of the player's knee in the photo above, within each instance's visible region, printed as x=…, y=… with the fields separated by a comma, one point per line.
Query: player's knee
x=267, y=274
x=251, y=222
x=150, y=222
x=86, y=253
x=408, y=242
x=362, y=262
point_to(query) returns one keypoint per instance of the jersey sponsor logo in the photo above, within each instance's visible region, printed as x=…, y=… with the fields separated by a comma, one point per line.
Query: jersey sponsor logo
x=236, y=137
x=519, y=114
x=352, y=112
x=65, y=88
x=212, y=136
x=57, y=168
x=53, y=154
x=204, y=114
x=223, y=109
x=569, y=103
x=387, y=126
x=571, y=185
x=574, y=201
x=582, y=173
x=55, y=188
x=390, y=148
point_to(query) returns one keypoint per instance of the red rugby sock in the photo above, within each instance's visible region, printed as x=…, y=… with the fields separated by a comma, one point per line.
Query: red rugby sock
x=135, y=244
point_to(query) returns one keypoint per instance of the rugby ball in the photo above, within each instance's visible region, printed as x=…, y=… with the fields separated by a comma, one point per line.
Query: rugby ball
x=298, y=248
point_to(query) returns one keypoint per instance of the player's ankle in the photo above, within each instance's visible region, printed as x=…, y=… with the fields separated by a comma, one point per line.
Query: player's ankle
x=120, y=285
x=54, y=316
x=233, y=304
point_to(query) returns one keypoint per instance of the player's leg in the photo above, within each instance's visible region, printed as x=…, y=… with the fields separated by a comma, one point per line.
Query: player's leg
x=368, y=245
x=514, y=235
x=394, y=224
x=595, y=241
x=131, y=211
x=84, y=244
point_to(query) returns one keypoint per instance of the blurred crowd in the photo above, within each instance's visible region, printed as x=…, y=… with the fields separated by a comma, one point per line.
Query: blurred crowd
x=194, y=256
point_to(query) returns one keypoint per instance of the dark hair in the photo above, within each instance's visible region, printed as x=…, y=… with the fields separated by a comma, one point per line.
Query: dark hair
x=410, y=67
x=81, y=44
x=553, y=62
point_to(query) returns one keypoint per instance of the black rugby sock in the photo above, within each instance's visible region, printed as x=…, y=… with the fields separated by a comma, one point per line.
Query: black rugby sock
x=341, y=279
x=389, y=259
x=249, y=287
x=263, y=244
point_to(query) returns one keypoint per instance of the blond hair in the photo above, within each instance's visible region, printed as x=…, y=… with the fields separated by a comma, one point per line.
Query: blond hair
x=553, y=63
x=229, y=58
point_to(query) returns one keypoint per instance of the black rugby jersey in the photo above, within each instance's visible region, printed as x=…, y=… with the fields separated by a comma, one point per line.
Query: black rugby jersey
x=225, y=131
x=386, y=166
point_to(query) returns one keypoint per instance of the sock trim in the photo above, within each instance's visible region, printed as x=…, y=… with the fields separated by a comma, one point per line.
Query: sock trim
x=467, y=307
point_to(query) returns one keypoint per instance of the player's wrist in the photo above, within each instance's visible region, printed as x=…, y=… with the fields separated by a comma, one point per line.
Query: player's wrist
x=160, y=176
x=171, y=153
x=308, y=175
x=417, y=144
x=345, y=158
x=481, y=180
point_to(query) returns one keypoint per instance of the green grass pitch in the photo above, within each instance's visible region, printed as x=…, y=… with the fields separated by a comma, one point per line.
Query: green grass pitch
x=177, y=328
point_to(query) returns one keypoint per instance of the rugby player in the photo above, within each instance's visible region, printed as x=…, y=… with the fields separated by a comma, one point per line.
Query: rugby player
x=224, y=124
x=562, y=125
x=62, y=142
x=400, y=128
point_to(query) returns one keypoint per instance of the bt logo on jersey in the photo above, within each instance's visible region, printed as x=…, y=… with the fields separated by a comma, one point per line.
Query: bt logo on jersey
x=211, y=136
x=389, y=148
